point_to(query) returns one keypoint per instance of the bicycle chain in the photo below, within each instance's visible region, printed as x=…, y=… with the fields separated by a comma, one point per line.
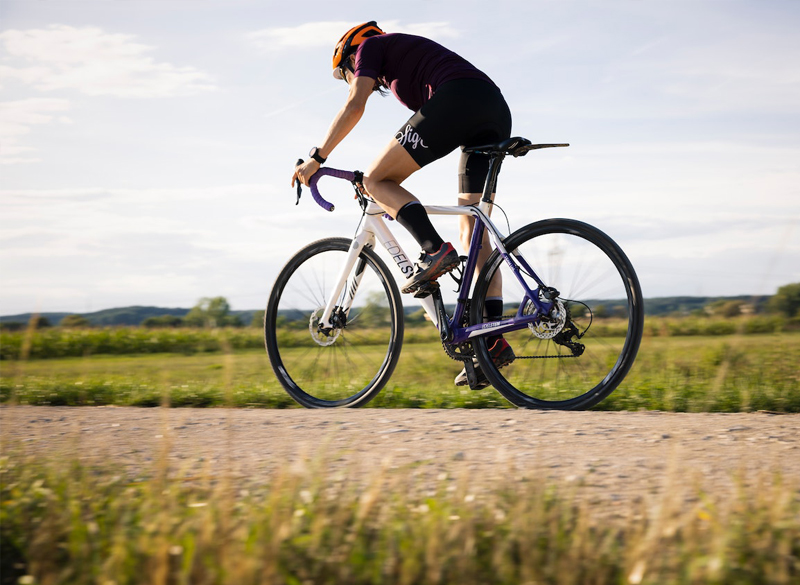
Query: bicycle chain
x=466, y=352
x=575, y=348
x=543, y=357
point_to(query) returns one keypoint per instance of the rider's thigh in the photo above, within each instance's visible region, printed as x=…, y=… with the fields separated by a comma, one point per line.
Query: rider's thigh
x=392, y=164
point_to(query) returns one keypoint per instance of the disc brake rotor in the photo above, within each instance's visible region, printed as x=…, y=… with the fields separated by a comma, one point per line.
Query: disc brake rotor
x=550, y=326
x=323, y=337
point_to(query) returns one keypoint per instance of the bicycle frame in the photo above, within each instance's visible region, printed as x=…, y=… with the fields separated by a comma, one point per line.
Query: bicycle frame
x=374, y=228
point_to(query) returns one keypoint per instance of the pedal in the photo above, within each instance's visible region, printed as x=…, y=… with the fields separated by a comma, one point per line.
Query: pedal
x=472, y=377
x=426, y=290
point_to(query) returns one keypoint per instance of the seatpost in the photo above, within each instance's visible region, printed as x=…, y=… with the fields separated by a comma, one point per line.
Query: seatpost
x=491, y=177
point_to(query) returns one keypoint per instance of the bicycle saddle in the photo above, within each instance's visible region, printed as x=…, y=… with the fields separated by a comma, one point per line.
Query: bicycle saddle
x=515, y=146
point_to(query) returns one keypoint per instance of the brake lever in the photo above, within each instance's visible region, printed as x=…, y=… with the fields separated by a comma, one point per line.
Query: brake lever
x=299, y=184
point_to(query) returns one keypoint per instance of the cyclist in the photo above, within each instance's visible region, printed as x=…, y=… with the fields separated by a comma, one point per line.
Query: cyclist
x=455, y=105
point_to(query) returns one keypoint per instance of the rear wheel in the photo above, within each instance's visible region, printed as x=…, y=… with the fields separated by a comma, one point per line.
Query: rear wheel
x=350, y=363
x=581, y=352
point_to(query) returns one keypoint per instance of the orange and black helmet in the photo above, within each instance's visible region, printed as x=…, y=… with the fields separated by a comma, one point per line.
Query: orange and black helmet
x=348, y=44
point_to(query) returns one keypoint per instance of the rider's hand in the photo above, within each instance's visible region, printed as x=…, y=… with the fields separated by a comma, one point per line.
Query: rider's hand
x=305, y=171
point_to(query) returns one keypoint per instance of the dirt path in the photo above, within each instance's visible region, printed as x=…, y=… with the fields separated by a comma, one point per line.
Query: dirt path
x=617, y=456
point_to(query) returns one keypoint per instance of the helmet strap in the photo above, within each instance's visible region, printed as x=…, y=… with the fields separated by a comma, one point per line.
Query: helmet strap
x=346, y=66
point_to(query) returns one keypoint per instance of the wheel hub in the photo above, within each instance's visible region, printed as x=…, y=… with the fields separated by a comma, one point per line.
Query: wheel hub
x=550, y=325
x=322, y=336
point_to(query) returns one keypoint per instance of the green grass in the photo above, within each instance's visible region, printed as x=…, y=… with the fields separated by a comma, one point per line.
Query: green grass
x=58, y=342
x=65, y=522
x=684, y=374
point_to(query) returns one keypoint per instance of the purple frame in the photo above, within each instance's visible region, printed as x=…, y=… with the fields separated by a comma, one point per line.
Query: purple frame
x=464, y=334
x=519, y=321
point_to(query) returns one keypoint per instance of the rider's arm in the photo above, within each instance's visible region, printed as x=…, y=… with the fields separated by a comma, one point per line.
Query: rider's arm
x=343, y=123
x=349, y=115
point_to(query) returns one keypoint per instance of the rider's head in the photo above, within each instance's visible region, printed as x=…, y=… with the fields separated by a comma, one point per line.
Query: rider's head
x=348, y=45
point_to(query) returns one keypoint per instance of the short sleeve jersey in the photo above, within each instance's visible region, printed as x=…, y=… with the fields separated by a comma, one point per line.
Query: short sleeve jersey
x=411, y=67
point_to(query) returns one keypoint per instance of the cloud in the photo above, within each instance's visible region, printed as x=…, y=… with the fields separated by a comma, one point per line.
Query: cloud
x=323, y=34
x=95, y=62
x=16, y=120
x=748, y=71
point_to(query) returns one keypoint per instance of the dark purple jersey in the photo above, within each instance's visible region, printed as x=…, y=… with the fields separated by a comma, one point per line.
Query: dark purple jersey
x=412, y=67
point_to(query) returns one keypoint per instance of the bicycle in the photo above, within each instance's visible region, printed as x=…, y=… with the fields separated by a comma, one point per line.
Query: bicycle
x=334, y=322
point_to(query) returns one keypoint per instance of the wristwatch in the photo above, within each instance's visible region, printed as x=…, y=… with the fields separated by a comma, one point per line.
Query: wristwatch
x=316, y=156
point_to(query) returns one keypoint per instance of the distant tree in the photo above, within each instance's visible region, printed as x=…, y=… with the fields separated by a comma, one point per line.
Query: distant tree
x=576, y=310
x=600, y=311
x=162, y=321
x=12, y=326
x=728, y=309
x=375, y=312
x=786, y=300
x=74, y=322
x=212, y=312
x=416, y=318
x=258, y=319
x=39, y=322
x=619, y=312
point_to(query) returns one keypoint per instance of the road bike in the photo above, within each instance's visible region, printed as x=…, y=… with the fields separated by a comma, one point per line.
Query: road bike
x=573, y=308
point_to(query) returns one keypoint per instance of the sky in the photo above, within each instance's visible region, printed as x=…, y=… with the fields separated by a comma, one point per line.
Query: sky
x=147, y=145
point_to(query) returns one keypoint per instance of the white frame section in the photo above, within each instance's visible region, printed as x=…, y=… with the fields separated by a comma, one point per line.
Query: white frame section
x=374, y=227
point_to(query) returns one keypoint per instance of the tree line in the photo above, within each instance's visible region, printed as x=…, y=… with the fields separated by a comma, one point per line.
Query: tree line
x=211, y=312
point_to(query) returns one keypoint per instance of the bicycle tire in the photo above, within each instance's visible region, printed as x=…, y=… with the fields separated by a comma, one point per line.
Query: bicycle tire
x=589, y=270
x=350, y=365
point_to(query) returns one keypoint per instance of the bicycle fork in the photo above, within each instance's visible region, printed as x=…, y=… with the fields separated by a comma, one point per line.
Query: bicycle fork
x=344, y=292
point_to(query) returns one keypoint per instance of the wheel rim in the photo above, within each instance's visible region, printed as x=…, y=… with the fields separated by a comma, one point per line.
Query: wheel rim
x=342, y=367
x=603, y=304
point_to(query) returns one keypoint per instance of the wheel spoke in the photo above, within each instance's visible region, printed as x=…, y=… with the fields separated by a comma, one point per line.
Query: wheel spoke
x=585, y=266
x=345, y=366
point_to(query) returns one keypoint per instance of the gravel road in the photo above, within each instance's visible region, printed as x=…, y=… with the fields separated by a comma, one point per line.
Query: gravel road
x=617, y=456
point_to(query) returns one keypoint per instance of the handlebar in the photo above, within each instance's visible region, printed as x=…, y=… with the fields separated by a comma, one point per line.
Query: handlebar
x=323, y=171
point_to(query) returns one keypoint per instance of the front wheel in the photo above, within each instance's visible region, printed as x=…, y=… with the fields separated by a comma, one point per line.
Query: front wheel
x=348, y=364
x=581, y=352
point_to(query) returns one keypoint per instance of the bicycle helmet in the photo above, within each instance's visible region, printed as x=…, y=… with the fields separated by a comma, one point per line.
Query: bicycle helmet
x=348, y=45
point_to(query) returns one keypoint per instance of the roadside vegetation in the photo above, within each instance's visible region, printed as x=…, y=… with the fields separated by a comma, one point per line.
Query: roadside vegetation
x=63, y=342
x=728, y=373
x=66, y=522
x=726, y=357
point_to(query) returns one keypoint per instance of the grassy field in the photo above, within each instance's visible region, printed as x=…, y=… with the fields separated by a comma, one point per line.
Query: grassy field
x=63, y=522
x=732, y=373
x=59, y=342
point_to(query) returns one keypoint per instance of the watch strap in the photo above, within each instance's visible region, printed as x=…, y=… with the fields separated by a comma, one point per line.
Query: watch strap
x=316, y=156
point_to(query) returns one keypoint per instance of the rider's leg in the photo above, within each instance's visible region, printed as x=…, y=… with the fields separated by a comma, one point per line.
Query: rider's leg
x=382, y=181
x=393, y=166
x=473, y=171
x=501, y=352
x=466, y=224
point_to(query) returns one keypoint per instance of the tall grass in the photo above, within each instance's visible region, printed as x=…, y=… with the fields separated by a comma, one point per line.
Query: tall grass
x=59, y=342
x=682, y=374
x=66, y=522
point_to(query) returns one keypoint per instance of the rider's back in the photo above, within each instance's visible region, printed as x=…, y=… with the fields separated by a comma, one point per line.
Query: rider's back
x=412, y=67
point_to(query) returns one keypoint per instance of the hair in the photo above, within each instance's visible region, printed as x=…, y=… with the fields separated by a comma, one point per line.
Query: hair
x=381, y=87
x=380, y=84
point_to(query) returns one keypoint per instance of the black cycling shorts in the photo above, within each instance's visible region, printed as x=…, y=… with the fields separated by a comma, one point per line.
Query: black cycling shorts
x=462, y=112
